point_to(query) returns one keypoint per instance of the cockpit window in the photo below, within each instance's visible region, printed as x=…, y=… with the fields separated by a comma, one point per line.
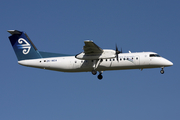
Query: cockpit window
x=154, y=55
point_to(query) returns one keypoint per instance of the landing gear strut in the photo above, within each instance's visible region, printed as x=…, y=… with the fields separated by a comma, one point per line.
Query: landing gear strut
x=162, y=71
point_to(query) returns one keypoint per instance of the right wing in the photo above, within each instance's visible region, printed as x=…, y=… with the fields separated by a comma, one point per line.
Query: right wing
x=94, y=52
x=91, y=48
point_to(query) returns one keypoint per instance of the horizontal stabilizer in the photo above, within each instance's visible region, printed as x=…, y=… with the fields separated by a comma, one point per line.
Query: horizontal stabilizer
x=14, y=32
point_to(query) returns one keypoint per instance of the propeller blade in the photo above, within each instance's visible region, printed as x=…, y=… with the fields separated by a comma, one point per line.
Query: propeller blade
x=117, y=52
x=116, y=48
x=121, y=51
x=117, y=57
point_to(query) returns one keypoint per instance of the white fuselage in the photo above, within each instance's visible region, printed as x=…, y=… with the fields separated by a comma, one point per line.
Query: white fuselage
x=139, y=60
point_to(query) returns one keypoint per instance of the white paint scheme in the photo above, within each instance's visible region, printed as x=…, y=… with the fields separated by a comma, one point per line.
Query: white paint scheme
x=139, y=60
x=92, y=59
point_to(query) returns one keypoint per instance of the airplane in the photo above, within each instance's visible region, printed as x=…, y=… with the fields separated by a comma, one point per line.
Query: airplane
x=93, y=59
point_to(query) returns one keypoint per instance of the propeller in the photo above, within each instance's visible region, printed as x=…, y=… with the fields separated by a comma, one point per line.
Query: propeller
x=118, y=52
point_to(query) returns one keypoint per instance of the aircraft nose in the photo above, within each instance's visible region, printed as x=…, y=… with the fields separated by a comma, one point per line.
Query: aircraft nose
x=168, y=63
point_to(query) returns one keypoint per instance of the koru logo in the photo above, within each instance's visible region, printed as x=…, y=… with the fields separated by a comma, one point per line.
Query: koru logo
x=23, y=44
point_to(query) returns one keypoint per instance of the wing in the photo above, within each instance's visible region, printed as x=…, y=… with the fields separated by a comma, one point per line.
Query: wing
x=91, y=48
x=94, y=52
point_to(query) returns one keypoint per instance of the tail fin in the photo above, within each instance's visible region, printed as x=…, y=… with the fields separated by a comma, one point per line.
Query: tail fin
x=23, y=46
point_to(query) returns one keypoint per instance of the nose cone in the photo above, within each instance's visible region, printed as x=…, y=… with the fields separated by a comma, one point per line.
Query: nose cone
x=167, y=63
x=170, y=63
x=160, y=62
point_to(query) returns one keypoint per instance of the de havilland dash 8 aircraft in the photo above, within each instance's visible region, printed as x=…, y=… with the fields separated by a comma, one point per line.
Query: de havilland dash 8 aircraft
x=92, y=59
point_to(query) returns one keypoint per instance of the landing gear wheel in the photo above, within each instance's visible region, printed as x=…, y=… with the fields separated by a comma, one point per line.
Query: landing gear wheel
x=162, y=71
x=100, y=76
x=94, y=72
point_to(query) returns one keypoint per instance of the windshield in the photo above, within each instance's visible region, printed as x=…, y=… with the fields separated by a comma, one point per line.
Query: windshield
x=154, y=55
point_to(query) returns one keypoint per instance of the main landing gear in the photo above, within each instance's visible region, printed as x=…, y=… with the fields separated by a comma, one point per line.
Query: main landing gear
x=94, y=72
x=100, y=76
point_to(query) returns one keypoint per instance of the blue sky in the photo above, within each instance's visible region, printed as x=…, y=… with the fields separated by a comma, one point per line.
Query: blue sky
x=62, y=26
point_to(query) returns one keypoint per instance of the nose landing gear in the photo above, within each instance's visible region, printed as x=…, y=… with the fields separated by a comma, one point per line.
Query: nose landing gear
x=162, y=70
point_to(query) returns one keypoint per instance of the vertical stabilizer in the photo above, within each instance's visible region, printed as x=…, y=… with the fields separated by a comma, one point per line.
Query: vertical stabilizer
x=23, y=46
